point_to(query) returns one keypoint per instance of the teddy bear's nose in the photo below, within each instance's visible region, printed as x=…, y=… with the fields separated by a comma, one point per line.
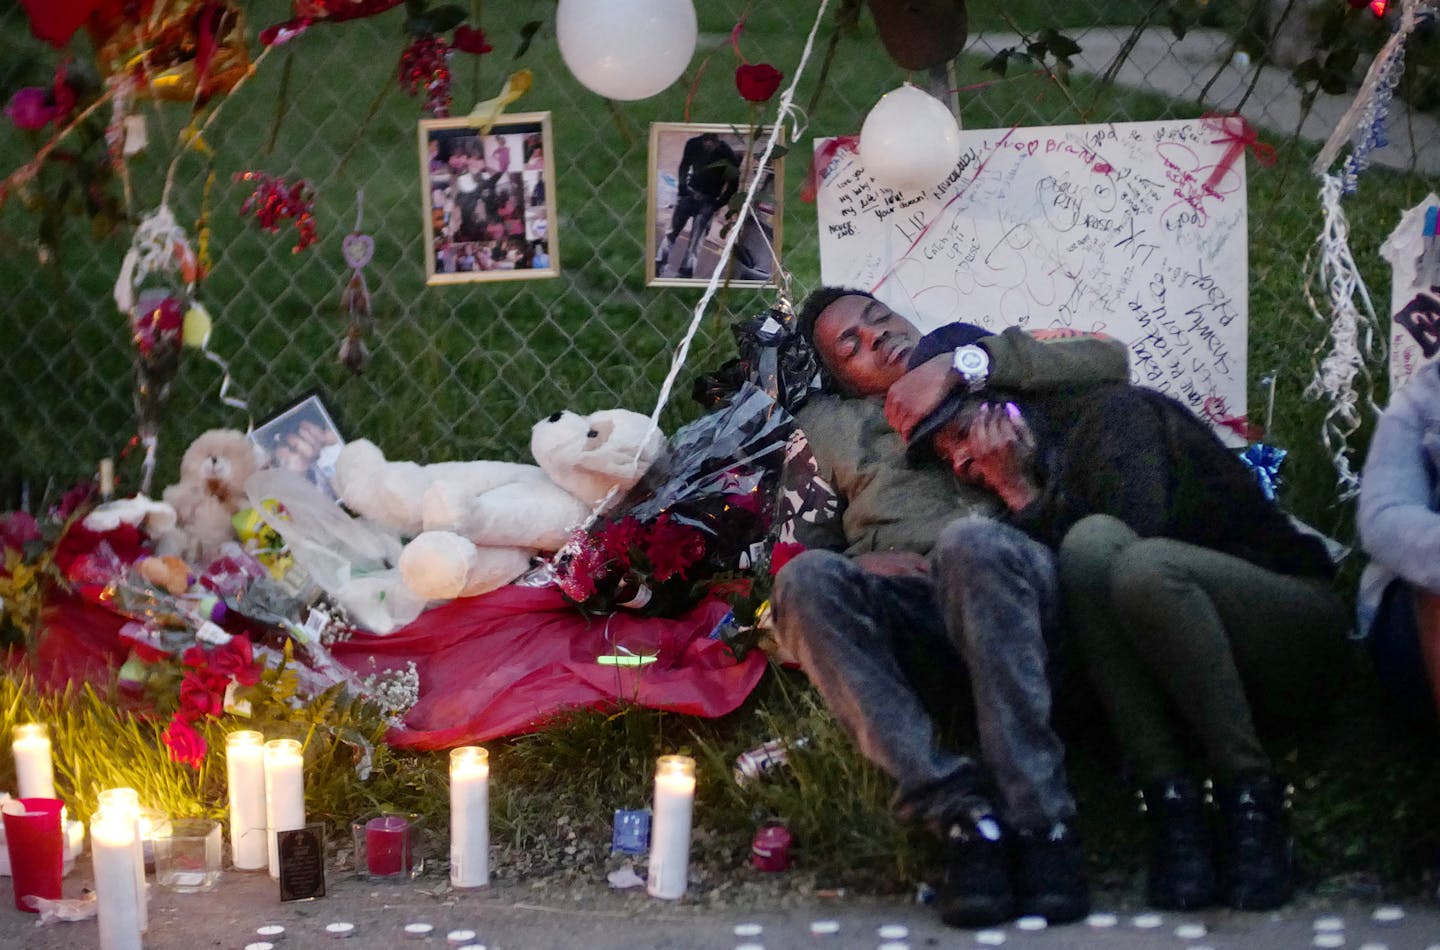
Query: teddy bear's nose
x=555, y=417
x=591, y=434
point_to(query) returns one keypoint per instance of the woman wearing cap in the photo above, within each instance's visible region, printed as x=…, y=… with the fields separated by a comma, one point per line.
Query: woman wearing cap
x=1193, y=597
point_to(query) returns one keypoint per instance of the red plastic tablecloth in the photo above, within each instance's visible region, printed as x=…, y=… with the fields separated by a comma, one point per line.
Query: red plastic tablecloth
x=499, y=664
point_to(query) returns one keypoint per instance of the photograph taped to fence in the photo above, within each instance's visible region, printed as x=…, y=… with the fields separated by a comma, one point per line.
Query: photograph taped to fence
x=489, y=200
x=697, y=179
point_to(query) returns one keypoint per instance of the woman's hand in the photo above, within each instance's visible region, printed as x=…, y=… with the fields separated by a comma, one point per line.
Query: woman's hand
x=1002, y=452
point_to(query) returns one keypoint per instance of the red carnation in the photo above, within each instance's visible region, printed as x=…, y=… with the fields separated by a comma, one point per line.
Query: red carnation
x=618, y=538
x=757, y=82
x=673, y=547
x=185, y=743
x=468, y=39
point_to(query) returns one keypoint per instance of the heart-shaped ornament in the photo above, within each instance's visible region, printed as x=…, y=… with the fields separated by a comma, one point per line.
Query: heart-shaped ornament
x=358, y=249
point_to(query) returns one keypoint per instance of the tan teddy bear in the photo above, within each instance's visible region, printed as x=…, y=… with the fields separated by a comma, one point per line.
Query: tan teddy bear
x=210, y=490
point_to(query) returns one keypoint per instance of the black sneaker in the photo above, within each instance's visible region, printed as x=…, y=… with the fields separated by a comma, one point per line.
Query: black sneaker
x=975, y=890
x=1257, y=870
x=1182, y=871
x=1050, y=874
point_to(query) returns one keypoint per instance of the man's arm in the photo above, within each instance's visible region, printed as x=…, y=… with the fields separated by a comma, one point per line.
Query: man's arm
x=1018, y=362
x=682, y=174
x=1397, y=526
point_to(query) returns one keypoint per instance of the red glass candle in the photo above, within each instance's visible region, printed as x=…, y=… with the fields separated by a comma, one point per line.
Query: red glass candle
x=36, y=842
x=387, y=848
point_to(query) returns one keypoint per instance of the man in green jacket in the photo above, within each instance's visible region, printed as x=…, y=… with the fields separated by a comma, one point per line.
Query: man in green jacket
x=928, y=580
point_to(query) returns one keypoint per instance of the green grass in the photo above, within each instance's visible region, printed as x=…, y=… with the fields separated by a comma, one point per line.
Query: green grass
x=462, y=372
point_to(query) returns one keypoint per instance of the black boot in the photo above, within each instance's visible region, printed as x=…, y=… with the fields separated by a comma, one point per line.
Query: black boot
x=1050, y=874
x=1256, y=851
x=975, y=890
x=1182, y=871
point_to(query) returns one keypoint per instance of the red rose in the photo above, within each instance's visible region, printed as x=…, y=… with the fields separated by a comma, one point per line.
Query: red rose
x=471, y=40
x=781, y=554
x=185, y=743
x=195, y=656
x=198, y=698
x=757, y=82
x=236, y=660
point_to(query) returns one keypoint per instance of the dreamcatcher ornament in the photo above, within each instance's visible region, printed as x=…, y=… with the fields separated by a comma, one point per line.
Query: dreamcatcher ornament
x=357, y=249
x=153, y=290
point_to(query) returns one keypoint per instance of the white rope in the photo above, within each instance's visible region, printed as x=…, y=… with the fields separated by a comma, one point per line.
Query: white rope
x=1351, y=334
x=786, y=110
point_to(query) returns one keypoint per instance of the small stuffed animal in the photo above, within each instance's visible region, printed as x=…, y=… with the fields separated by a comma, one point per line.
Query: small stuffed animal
x=211, y=489
x=477, y=524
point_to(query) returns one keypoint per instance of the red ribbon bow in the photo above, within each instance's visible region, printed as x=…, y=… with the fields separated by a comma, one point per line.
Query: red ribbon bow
x=821, y=160
x=1238, y=135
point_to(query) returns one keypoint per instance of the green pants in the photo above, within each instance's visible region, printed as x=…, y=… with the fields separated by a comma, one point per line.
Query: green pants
x=1178, y=636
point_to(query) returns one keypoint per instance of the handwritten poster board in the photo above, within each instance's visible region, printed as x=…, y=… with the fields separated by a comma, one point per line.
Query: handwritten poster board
x=1135, y=229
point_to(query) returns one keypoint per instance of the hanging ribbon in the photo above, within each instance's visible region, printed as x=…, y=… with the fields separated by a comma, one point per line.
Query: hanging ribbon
x=487, y=113
x=1238, y=135
x=821, y=160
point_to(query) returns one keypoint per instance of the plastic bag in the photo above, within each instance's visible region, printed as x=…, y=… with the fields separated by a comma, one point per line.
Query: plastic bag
x=718, y=455
x=351, y=559
x=773, y=356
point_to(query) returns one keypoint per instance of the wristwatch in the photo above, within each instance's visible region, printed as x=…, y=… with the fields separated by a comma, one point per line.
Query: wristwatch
x=973, y=365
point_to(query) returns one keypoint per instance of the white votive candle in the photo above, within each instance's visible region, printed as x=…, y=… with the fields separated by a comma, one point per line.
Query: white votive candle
x=126, y=802
x=34, y=771
x=114, y=833
x=670, y=827
x=284, y=793
x=245, y=775
x=107, y=478
x=469, y=817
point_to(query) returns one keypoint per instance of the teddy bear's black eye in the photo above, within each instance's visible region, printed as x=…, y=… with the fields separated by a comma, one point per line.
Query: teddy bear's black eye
x=555, y=417
x=591, y=434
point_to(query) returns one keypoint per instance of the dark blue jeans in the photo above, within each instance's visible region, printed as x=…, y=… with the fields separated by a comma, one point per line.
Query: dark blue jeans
x=987, y=606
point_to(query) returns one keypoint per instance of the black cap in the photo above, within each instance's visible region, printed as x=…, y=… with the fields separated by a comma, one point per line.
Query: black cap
x=950, y=337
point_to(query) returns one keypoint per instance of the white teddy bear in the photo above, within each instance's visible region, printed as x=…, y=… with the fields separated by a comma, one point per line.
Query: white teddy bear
x=477, y=524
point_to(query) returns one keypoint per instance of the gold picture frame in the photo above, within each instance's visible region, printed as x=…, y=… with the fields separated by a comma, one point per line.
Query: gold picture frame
x=715, y=174
x=488, y=200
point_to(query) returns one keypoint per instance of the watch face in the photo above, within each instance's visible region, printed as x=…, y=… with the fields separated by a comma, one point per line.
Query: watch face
x=970, y=359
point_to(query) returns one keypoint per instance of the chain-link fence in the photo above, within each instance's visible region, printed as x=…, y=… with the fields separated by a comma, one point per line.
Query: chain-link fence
x=462, y=371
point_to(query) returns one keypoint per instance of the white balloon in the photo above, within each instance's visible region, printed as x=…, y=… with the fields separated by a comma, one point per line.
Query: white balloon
x=909, y=140
x=626, y=49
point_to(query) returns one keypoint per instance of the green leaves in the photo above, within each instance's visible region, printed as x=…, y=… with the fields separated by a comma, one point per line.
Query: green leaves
x=527, y=36
x=423, y=21
x=1049, y=43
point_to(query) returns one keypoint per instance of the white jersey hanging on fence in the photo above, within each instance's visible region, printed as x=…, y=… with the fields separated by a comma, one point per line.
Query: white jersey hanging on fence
x=1413, y=250
x=1137, y=230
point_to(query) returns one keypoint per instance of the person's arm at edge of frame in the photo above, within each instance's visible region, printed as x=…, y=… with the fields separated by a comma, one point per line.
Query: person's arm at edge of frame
x=1018, y=362
x=1394, y=520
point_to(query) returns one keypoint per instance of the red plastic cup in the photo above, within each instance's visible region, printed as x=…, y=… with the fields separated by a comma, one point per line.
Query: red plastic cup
x=387, y=845
x=36, y=841
x=770, y=851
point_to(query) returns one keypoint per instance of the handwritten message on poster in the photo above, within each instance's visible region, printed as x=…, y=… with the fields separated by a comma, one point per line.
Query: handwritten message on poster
x=1137, y=230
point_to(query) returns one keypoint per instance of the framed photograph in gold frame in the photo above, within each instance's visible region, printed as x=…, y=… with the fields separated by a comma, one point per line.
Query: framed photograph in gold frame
x=697, y=173
x=488, y=200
